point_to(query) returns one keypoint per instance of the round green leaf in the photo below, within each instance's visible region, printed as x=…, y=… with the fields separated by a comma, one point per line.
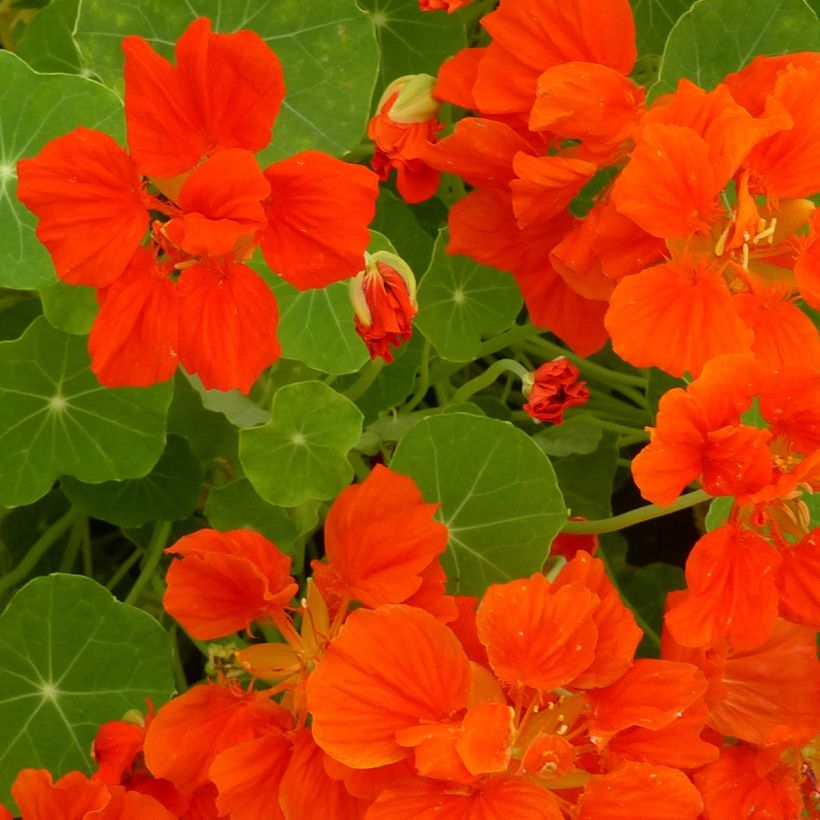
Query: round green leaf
x=316, y=327
x=328, y=52
x=56, y=418
x=459, y=300
x=498, y=493
x=48, y=44
x=716, y=37
x=410, y=41
x=55, y=104
x=71, y=308
x=653, y=21
x=169, y=492
x=73, y=657
x=301, y=453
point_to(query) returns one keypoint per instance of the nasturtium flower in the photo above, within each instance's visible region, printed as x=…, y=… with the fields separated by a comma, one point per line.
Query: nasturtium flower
x=226, y=580
x=553, y=388
x=384, y=301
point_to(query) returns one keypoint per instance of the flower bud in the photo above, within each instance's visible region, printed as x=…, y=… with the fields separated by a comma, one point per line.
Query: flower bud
x=414, y=103
x=384, y=301
x=552, y=389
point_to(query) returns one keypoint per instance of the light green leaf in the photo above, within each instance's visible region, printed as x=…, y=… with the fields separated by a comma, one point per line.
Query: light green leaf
x=412, y=42
x=55, y=418
x=498, y=493
x=586, y=479
x=328, y=52
x=70, y=308
x=397, y=221
x=301, y=452
x=73, y=657
x=48, y=43
x=716, y=37
x=35, y=108
x=316, y=327
x=575, y=435
x=459, y=300
x=169, y=492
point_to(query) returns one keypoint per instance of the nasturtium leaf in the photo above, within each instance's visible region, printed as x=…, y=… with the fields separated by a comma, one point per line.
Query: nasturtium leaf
x=55, y=418
x=716, y=37
x=73, y=657
x=586, y=479
x=316, y=327
x=498, y=493
x=20, y=312
x=36, y=108
x=410, y=42
x=238, y=506
x=653, y=22
x=47, y=44
x=328, y=53
x=459, y=300
x=718, y=512
x=397, y=221
x=575, y=435
x=301, y=453
x=237, y=408
x=169, y=492
x=70, y=308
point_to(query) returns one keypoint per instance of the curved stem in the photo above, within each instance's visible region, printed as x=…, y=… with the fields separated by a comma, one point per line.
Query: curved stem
x=37, y=550
x=366, y=378
x=614, y=427
x=424, y=378
x=486, y=378
x=153, y=555
x=637, y=516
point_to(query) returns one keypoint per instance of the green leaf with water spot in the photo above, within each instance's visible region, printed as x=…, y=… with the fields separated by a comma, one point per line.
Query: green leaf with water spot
x=55, y=418
x=460, y=300
x=73, y=657
x=328, y=53
x=301, y=453
x=34, y=109
x=717, y=37
x=498, y=493
x=411, y=41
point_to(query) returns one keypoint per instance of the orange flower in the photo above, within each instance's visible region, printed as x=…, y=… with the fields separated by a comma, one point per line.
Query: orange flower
x=763, y=695
x=225, y=581
x=192, y=730
x=384, y=299
x=730, y=574
x=553, y=388
x=748, y=781
x=405, y=121
x=72, y=797
x=390, y=669
x=380, y=537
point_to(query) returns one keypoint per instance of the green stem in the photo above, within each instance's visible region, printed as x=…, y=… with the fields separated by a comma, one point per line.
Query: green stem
x=123, y=569
x=613, y=377
x=614, y=427
x=486, y=378
x=153, y=554
x=36, y=551
x=424, y=378
x=515, y=334
x=180, y=681
x=366, y=378
x=72, y=549
x=637, y=516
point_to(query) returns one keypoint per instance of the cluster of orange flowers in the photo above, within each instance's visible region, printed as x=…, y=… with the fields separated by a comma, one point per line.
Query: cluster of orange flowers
x=386, y=698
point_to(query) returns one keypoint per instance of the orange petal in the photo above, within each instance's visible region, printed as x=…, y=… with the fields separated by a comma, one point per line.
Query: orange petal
x=684, y=308
x=191, y=730
x=389, y=669
x=495, y=798
x=318, y=213
x=640, y=790
x=227, y=325
x=799, y=581
x=134, y=339
x=84, y=190
x=669, y=187
x=535, y=636
x=226, y=580
x=72, y=797
x=379, y=538
x=224, y=92
x=731, y=577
